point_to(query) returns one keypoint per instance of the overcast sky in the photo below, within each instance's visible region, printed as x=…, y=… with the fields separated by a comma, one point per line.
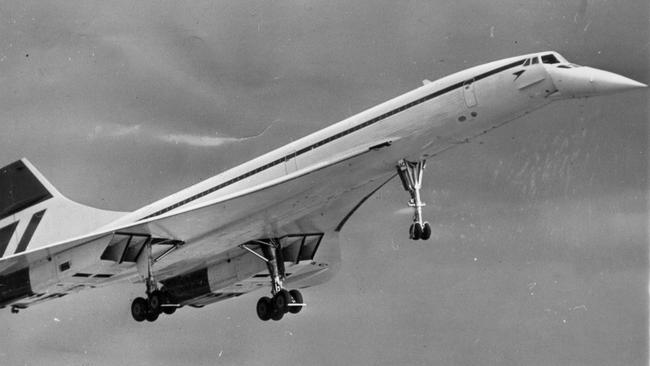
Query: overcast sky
x=539, y=252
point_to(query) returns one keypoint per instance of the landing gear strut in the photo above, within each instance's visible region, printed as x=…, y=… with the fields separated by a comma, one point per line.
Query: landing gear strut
x=410, y=173
x=157, y=301
x=282, y=301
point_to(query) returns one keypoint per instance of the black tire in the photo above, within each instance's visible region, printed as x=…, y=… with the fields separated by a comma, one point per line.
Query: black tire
x=139, y=309
x=426, y=231
x=281, y=301
x=277, y=314
x=412, y=232
x=264, y=308
x=156, y=299
x=296, y=296
x=152, y=316
x=416, y=231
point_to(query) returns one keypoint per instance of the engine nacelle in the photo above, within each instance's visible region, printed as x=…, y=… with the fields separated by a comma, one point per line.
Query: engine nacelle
x=309, y=259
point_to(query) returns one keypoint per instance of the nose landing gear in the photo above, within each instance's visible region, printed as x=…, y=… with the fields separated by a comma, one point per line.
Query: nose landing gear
x=282, y=301
x=410, y=173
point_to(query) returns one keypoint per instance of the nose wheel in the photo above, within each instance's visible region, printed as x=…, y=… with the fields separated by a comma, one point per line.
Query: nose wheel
x=419, y=231
x=282, y=300
x=410, y=173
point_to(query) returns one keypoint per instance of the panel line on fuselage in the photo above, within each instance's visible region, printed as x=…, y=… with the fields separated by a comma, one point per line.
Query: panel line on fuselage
x=336, y=137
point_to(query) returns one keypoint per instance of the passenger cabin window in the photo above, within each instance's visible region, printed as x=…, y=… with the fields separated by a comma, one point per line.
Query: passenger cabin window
x=550, y=59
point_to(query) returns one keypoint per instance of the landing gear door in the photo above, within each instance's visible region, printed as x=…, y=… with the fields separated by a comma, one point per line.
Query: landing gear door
x=469, y=94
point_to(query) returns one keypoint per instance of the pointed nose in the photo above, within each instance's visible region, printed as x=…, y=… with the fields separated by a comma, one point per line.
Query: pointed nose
x=605, y=82
x=587, y=81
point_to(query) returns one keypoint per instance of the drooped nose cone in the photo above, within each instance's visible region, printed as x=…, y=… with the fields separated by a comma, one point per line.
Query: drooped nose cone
x=584, y=81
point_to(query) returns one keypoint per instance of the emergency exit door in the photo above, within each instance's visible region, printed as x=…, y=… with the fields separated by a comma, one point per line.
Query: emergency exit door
x=469, y=94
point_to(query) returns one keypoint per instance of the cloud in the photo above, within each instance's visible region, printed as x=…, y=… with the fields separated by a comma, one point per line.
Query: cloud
x=113, y=130
x=207, y=140
x=125, y=131
x=199, y=140
x=196, y=140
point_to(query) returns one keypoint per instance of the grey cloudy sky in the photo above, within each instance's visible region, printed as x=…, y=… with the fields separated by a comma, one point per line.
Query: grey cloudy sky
x=539, y=252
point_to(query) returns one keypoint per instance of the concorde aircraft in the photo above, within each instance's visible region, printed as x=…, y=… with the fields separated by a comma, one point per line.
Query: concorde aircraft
x=272, y=223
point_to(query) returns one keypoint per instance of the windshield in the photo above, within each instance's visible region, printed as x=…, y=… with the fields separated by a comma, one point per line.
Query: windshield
x=550, y=59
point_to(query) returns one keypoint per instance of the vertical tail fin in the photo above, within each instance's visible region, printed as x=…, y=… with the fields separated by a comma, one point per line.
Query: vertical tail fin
x=33, y=213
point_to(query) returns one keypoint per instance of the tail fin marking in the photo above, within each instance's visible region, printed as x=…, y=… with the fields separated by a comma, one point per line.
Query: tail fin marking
x=5, y=236
x=29, y=232
x=20, y=189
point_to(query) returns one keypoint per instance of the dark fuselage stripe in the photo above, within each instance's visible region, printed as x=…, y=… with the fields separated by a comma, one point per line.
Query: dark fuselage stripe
x=337, y=136
x=29, y=232
x=5, y=236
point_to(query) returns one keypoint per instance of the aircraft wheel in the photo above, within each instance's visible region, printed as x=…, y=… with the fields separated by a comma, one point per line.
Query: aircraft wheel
x=156, y=299
x=139, y=309
x=152, y=316
x=415, y=231
x=264, y=308
x=277, y=314
x=297, y=298
x=426, y=231
x=281, y=301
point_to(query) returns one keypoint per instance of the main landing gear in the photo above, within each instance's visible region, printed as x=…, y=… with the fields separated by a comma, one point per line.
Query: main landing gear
x=282, y=301
x=158, y=301
x=410, y=173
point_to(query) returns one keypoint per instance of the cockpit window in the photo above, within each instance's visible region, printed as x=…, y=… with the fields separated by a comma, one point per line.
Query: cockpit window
x=535, y=60
x=527, y=62
x=550, y=59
